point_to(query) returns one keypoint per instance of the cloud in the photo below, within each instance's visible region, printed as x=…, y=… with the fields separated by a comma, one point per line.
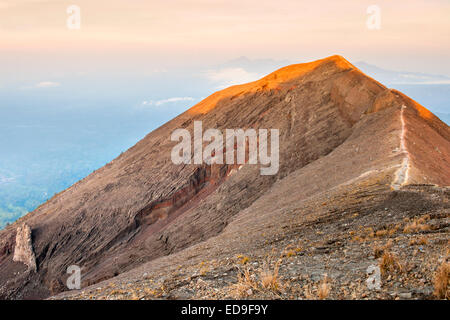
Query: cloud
x=4, y=180
x=42, y=85
x=231, y=76
x=47, y=84
x=421, y=82
x=411, y=78
x=164, y=101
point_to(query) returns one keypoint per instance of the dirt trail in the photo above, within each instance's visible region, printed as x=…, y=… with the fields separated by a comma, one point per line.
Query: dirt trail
x=401, y=176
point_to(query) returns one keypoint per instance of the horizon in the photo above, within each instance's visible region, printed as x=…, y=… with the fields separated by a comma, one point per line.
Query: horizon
x=412, y=35
x=74, y=98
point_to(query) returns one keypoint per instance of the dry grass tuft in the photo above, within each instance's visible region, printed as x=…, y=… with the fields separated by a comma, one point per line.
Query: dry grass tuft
x=378, y=250
x=418, y=241
x=204, y=268
x=389, y=263
x=244, y=286
x=417, y=225
x=393, y=230
x=243, y=259
x=440, y=281
x=270, y=279
x=381, y=233
x=324, y=289
x=308, y=293
x=293, y=252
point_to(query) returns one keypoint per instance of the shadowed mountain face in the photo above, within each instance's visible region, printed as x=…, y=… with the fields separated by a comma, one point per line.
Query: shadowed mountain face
x=337, y=127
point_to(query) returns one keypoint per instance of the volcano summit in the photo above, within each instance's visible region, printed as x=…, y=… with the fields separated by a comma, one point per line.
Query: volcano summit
x=363, y=176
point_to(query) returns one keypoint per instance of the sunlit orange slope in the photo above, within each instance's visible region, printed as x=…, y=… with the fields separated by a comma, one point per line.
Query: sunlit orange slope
x=282, y=77
x=272, y=81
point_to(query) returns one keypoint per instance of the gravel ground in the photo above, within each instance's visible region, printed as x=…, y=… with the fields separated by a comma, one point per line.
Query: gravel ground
x=316, y=255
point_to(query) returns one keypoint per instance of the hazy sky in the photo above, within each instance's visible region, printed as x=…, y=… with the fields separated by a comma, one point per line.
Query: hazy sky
x=72, y=100
x=145, y=35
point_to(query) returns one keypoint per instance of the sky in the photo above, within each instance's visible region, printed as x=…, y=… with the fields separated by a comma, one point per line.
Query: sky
x=77, y=90
x=147, y=36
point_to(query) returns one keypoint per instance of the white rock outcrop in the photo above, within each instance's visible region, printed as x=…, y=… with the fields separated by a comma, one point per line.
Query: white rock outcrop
x=23, y=250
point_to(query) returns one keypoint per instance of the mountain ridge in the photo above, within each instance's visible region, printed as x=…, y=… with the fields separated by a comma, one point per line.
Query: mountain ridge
x=141, y=207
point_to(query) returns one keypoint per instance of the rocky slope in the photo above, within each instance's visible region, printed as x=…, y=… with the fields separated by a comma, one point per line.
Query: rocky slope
x=330, y=238
x=349, y=147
